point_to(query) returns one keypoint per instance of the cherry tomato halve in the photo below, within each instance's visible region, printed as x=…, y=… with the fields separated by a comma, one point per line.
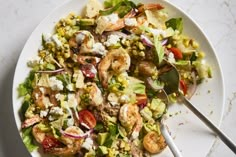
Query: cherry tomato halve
x=50, y=142
x=177, y=52
x=87, y=118
x=141, y=100
x=183, y=86
x=89, y=70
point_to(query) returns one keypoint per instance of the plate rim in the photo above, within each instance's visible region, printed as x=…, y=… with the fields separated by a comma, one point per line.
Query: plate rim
x=182, y=11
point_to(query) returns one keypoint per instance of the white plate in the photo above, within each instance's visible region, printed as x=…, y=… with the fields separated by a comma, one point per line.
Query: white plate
x=190, y=134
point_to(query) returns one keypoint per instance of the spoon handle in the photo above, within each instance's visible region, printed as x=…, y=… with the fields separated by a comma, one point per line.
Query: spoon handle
x=175, y=151
x=215, y=129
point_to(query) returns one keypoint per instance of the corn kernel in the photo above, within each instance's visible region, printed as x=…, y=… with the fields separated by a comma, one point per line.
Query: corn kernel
x=195, y=44
x=142, y=54
x=169, y=46
x=201, y=54
x=186, y=42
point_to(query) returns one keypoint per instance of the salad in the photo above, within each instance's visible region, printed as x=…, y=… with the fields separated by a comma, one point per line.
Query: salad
x=94, y=83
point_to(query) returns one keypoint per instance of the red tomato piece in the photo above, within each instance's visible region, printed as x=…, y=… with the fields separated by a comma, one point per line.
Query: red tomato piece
x=183, y=87
x=87, y=118
x=141, y=100
x=177, y=53
x=50, y=142
x=89, y=70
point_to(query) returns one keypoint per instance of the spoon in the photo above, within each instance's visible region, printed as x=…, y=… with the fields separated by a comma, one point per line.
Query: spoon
x=170, y=77
x=161, y=94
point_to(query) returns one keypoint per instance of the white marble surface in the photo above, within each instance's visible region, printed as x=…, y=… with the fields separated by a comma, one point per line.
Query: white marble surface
x=18, y=19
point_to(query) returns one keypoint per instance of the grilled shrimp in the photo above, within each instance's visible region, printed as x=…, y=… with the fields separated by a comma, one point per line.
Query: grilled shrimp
x=38, y=134
x=31, y=121
x=84, y=40
x=120, y=22
x=72, y=145
x=153, y=142
x=131, y=119
x=116, y=59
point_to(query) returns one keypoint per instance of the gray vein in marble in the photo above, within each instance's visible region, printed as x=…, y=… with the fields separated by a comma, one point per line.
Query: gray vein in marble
x=230, y=105
x=227, y=4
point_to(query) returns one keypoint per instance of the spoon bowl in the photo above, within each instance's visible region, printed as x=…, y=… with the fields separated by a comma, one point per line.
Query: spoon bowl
x=171, y=78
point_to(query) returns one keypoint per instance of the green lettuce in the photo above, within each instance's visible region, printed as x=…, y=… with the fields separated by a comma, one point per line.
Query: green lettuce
x=28, y=139
x=176, y=24
x=159, y=55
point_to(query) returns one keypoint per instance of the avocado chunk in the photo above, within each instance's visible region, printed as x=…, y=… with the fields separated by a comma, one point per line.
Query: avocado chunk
x=102, y=150
x=102, y=138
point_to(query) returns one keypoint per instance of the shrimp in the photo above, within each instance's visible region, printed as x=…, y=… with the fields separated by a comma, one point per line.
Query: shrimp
x=131, y=119
x=116, y=59
x=153, y=142
x=44, y=96
x=71, y=145
x=31, y=121
x=38, y=134
x=82, y=41
x=150, y=6
x=120, y=22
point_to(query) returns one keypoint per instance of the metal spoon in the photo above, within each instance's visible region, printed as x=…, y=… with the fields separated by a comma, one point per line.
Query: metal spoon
x=161, y=94
x=170, y=76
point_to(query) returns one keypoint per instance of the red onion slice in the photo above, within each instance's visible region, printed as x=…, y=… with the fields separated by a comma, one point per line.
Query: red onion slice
x=84, y=135
x=146, y=41
x=51, y=71
x=164, y=42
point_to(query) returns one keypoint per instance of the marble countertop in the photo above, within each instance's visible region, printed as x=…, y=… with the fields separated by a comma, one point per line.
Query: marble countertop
x=18, y=19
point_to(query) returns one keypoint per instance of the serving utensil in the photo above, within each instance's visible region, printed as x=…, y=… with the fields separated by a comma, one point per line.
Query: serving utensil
x=170, y=76
x=161, y=94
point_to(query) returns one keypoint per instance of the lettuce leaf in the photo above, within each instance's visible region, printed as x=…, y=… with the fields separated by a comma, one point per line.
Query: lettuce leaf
x=176, y=24
x=159, y=55
x=28, y=139
x=26, y=87
x=138, y=88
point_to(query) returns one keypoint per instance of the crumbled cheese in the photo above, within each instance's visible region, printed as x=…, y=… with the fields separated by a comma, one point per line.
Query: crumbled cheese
x=135, y=135
x=55, y=84
x=47, y=102
x=113, y=99
x=70, y=122
x=51, y=118
x=72, y=101
x=171, y=57
x=42, y=90
x=43, y=113
x=57, y=41
x=112, y=18
x=99, y=48
x=80, y=79
x=58, y=96
x=112, y=40
x=56, y=111
x=157, y=32
x=80, y=37
x=36, y=96
x=47, y=37
x=130, y=22
x=70, y=87
x=34, y=61
x=88, y=143
x=124, y=99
